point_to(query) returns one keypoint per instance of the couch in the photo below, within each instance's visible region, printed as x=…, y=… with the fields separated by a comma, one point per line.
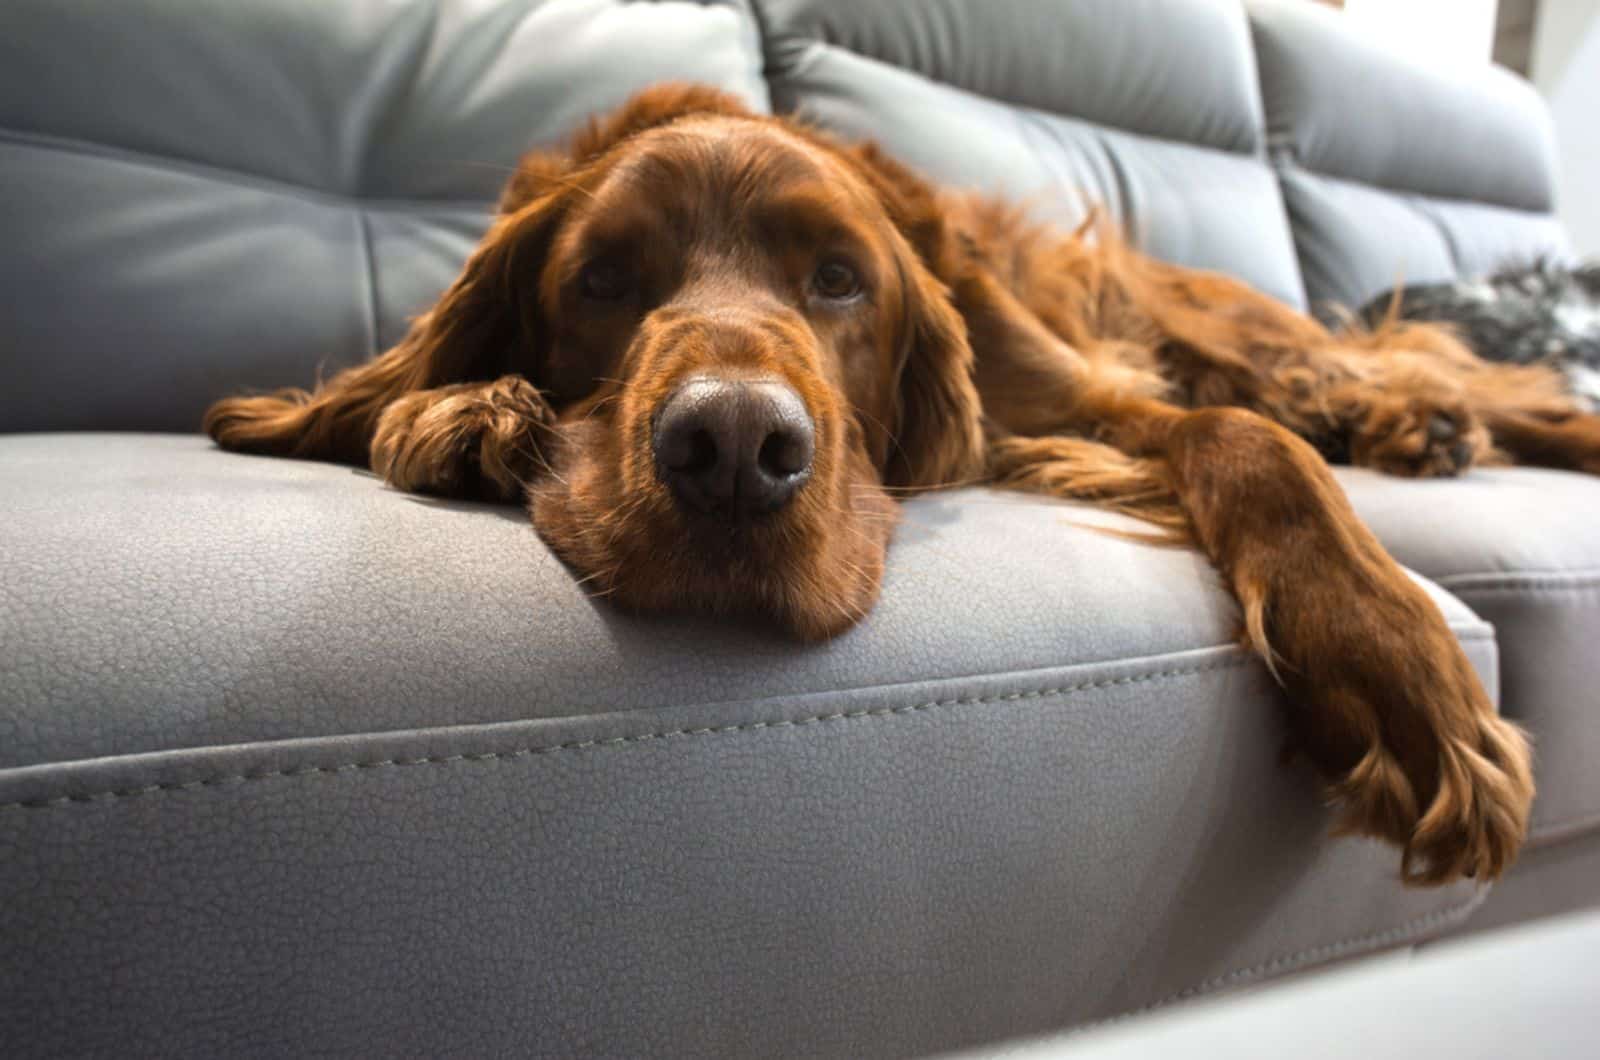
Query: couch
x=295, y=764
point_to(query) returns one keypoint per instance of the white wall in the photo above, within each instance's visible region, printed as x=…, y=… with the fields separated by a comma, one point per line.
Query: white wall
x=1441, y=30
x=1566, y=69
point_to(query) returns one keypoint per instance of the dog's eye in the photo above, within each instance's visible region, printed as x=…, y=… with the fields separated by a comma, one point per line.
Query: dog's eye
x=836, y=280
x=604, y=281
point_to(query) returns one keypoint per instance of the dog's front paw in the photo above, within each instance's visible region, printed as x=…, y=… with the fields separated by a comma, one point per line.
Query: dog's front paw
x=465, y=440
x=1462, y=812
x=1397, y=719
x=1418, y=438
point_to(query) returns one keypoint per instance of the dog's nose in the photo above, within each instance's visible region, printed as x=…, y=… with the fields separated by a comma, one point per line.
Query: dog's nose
x=734, y=448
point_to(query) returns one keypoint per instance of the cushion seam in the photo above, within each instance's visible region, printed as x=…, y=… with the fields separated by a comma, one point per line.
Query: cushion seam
x=622, y=741
x=233, y=177
x=369, y=281
x=1464, y=584
x=1303, y=958
x=1296, y=165
x=1476, y=633
x=1552, y=832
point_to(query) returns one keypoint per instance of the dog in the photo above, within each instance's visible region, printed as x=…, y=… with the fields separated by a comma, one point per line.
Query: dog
x=710, y=349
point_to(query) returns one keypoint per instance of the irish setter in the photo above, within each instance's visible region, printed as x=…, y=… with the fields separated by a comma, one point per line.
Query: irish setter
x=710, y=349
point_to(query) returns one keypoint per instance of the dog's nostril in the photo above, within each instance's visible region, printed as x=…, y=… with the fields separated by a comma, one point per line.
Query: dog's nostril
x=700, y=453
x=784, y=453
x=686, y=450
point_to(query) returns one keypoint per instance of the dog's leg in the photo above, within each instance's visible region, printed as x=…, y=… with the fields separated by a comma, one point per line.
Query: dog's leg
x=1387, y=703
x=1570, y=442
x=1394, y=398
x=476, y=440
x=1525, y=409
x=1394, y=411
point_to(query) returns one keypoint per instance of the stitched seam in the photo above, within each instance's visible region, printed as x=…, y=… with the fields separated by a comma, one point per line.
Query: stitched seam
x=620, y=741
x=1473, y=583
x=1590, y=574
x=237, y=178
x=1553, y=832
x=1302, y=958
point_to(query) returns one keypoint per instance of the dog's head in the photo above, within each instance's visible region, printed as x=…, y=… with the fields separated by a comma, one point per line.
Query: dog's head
x=748, y=352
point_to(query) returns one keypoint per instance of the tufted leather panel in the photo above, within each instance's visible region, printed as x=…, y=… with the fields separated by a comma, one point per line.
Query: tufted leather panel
x=1518, y=545
x=297, y=764
x=1355, y=106
x=1356, y=241
x=1063, y=107
x=238, y=197
x=1095, y=59
x=1394, y=170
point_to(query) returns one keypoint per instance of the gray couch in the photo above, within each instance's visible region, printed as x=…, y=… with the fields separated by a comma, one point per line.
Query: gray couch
x=291, y=763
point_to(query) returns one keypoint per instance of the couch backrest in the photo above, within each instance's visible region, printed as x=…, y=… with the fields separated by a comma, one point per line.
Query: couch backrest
x=197, y=197
x=1394, y=170
x=1148, y=108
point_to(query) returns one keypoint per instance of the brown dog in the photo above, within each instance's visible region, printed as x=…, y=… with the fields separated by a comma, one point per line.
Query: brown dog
x=711, y=347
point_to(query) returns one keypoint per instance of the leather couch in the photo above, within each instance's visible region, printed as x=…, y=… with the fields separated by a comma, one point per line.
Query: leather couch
x=291, y=763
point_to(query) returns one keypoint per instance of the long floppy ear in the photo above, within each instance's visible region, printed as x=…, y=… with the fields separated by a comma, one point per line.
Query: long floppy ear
x=481, y=328
x=938, y=421
x=484, y=326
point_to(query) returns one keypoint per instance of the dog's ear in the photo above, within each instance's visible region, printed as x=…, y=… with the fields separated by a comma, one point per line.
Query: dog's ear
x=485, y=325
x=938, y=416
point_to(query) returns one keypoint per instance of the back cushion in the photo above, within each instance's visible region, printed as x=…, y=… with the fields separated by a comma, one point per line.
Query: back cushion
x=198, y=197
x=1396, y=171
x=1148, y=108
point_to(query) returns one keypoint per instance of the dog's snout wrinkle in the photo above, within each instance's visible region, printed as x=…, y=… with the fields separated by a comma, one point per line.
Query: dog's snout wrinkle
x=732, y=447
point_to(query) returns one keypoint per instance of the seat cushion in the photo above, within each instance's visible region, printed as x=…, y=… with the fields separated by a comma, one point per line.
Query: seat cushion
x=1521, y=547
x=368, y=773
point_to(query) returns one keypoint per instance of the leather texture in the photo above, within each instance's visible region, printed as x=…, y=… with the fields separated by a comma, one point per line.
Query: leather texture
x=171, y=595
x=246, y=195
x=294, y=764
x=1396, y=171
x=1356, y=106
x=1065, y=108
x=299, y=764
x=1519, y=546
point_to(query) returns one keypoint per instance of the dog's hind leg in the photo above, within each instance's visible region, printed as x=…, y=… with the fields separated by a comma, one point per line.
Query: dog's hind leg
x=1385, y=700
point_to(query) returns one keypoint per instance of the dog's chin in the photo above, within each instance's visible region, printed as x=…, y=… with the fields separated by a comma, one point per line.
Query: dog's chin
x=812, y=571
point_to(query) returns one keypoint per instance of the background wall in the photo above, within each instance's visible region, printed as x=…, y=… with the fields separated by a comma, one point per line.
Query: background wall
x=1443, y=30
x=1566, y=68
x=1555, y=43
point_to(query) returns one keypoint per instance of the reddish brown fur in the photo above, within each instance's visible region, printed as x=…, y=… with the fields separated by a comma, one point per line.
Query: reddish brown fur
x=985, y=348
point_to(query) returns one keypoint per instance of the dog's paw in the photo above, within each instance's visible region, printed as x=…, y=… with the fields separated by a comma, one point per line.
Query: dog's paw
x=1418, y=438
x=1397, y=720
x=1462, y=815
x=466, y=440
